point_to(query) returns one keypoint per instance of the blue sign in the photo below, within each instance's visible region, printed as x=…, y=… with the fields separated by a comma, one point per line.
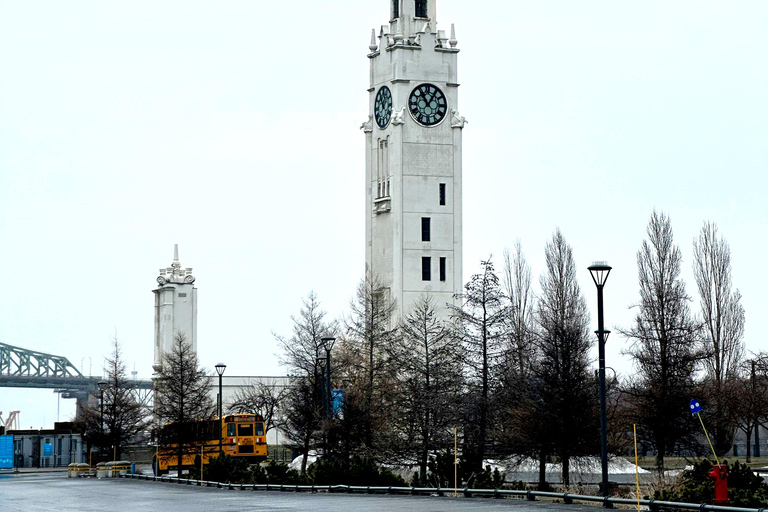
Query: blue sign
x=47, y=449
x=695, y=406
x=338, y=401
x=6, y=452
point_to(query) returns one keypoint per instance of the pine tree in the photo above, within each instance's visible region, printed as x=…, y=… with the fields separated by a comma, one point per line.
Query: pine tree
x=370, y=331
x=124, y=419
x=565, y=398
x=182, y=397
x=481, y=327
x=427, y=366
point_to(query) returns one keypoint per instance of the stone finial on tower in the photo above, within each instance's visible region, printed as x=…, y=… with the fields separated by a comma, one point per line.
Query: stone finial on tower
x=174, y=273
x=373, y=46
x=453, y=42
x=398, y=32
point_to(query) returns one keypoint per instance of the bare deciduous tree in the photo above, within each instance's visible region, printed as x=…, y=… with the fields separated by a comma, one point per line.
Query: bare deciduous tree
x=512, y=402
x=665, y=342
x=723, y=322
x=262, y=398
x=722, y=312
x=751, y=399
x=517, y=285
x=300, y=356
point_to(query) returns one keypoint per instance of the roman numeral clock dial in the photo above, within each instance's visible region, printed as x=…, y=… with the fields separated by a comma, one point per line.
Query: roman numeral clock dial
x=427, y=104
x=383, y=107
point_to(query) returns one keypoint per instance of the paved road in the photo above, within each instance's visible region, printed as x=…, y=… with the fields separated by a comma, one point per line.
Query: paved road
x=57, y=493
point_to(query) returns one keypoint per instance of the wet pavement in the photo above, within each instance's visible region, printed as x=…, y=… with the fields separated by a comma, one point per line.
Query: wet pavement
x=38, y=492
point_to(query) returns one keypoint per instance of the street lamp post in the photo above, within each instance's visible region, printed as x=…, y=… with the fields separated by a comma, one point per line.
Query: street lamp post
x=321, y=359
x=327, y=389
x=599, y=272
x=220, y=367
x=102, y=386
x=328, y=343
x=321, y=364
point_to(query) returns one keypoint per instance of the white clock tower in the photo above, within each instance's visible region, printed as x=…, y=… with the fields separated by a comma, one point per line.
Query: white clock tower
x=413, y=159
x=175, y=308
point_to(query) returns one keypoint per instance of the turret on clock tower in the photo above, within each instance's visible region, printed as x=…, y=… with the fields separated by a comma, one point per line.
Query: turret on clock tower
x=413, y=159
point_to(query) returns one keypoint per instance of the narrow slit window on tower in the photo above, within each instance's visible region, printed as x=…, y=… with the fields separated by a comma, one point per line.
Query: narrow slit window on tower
x=395, y=9
x=378, y=169
x=382, y=168
x=442, y=194
x=425, y=231
x=442, y=268
x=421, y=8
x=385, y=168
x=426, y=268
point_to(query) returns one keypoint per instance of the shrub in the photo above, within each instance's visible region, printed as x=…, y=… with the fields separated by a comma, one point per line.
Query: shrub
x=277, y=474
x=745, y=489
x=441, y=470
x=224, y=469
x=487, y=479
x=354, y=471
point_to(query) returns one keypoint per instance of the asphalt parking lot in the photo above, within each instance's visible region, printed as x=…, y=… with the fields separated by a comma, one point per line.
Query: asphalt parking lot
x=38, y=492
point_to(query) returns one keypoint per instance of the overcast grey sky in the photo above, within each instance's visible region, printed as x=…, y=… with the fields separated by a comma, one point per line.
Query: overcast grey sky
x=232, y=129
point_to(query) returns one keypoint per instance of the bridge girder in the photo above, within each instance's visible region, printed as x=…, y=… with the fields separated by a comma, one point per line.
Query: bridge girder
x=20, y=362
x=22, y=368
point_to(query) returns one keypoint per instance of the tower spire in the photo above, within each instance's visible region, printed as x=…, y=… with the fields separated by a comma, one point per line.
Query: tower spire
x=409, y=17
x=174, y=273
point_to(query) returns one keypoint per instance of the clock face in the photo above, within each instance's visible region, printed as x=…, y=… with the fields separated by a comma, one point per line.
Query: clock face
x=382, y=109
x=427, y=104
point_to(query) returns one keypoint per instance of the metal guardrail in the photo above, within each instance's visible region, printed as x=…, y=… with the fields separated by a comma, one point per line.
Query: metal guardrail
x=607, y=502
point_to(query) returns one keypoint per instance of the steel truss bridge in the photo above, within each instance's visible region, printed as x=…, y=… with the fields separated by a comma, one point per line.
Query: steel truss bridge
x=22, y=368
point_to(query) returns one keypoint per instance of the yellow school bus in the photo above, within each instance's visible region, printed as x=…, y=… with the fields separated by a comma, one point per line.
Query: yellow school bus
x=238, y=435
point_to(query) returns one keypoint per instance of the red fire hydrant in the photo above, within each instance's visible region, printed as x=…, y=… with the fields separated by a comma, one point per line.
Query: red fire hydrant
x=719, y=474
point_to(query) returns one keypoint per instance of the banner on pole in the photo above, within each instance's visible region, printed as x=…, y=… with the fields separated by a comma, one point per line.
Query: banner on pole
x=6, y=452
x=337, y=397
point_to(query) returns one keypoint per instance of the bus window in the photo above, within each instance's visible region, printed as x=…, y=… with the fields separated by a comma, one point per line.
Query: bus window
x=259, y=429
x=245, y=429
x=230, y=429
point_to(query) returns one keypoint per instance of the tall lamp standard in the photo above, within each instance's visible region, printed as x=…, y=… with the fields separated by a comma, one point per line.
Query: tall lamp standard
x=321, y=360
x=328, y=343
x=327, y=394
x=102, y=387
x=599, y=271
x=220, y=367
